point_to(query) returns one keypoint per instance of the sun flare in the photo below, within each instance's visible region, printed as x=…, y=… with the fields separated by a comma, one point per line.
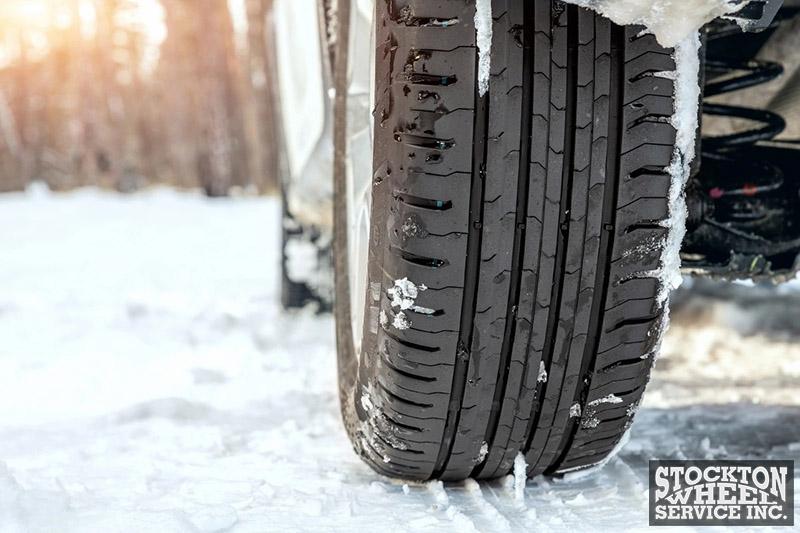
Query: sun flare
x=36, y=24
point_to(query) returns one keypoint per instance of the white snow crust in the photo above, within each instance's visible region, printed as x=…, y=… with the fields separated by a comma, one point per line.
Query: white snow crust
x=542, y=378
x=483, y=27
x=484, y=451
x=301, y=260
x=670, y=20
x=305, y=263
x=401, y=321
x=611, y=398
x=685, y=120
x=150, y=382
x=404, y=294
x=520, y=477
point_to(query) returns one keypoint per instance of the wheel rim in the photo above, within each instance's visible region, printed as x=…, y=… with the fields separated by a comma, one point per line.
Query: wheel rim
x=360, y=128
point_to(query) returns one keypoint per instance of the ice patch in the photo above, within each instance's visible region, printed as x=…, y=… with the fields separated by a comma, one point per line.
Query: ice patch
x=575, y=411
x=483, y=27
x=671, y=21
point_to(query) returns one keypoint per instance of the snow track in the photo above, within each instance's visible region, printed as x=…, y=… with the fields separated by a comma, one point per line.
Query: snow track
x=149, y=382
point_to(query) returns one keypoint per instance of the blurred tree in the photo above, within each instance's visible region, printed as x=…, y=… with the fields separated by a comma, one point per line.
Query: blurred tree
x=258, y=55
x=87, y=98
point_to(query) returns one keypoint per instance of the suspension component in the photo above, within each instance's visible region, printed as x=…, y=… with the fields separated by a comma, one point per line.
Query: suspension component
x=744, y=204
x=757, y=15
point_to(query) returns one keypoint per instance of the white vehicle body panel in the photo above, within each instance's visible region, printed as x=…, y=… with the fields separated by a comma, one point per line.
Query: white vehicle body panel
x=306, y=109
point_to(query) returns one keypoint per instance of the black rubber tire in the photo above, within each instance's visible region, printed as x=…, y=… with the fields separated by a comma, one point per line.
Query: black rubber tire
x=531, y=216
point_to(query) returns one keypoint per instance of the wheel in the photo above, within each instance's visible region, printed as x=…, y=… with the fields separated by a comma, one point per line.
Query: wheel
x=502, y=296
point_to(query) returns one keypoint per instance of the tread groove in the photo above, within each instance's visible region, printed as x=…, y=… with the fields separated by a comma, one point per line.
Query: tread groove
x=566, y=194
x=477, y=193
x=606, y=245
x=523, y=185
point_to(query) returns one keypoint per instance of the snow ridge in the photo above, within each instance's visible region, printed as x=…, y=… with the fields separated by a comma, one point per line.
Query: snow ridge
x=685, y=120
x=520, y=477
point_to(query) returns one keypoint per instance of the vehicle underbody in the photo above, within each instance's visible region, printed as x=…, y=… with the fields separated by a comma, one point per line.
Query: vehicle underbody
x=744, y=198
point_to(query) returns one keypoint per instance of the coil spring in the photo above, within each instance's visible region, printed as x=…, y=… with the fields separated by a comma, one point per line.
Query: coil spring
x=752, y=73
x=727, y=75
x=744, y=198
x=755, y=73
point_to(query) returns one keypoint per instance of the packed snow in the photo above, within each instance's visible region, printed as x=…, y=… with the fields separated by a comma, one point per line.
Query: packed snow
x=401, y=321
x=483, y=29
x=673, y=22
x=404, y=295
x=149, y=381
x=670, y=20
x=685, y=120
x=542, y=377
x=611, y=398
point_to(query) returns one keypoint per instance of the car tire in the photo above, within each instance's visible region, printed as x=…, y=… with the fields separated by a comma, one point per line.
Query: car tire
x=513, y=305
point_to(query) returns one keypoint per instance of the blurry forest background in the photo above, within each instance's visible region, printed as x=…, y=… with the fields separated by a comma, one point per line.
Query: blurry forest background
x=122, y=94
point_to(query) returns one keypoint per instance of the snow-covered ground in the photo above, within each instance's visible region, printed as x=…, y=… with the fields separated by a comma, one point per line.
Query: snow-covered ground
x=150, y=382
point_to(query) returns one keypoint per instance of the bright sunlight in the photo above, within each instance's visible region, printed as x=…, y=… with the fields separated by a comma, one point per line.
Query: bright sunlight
x=34, y=28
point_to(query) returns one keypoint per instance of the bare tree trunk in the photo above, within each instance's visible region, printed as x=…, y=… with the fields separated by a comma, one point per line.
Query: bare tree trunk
x=222, y=157
x=180, y=93
x=9, y=127
x=258, y=41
